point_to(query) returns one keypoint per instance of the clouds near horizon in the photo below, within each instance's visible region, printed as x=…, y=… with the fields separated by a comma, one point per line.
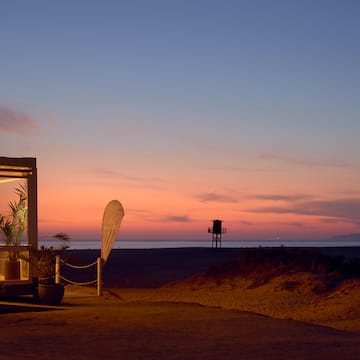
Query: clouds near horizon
x=280, y=197
x=304, y=162
x=216, y=197
x=177, y=218
x=341, y=209
x=107, y=172
x=15, y=122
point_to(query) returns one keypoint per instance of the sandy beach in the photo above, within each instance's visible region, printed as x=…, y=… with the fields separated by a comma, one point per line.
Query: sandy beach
x=180, y=304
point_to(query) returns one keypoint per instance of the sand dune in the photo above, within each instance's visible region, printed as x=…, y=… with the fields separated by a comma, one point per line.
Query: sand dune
x=183, y=275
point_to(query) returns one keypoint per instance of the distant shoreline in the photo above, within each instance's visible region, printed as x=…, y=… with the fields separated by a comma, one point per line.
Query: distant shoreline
x=159, y=244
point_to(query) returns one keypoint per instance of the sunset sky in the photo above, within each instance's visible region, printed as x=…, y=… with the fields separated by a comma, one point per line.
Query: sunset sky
x=186, y=111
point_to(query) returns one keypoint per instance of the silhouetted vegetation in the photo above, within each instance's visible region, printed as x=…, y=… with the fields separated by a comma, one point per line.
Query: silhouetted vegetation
x=264, y=264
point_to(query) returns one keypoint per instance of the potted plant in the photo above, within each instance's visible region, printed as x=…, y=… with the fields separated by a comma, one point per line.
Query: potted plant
x=43, y=260
x=49, y=292
x=12, y=227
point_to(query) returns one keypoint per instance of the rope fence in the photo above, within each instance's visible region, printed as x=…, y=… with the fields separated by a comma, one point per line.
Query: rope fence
x=77, y=266
x=97, y=281
x=92, y=282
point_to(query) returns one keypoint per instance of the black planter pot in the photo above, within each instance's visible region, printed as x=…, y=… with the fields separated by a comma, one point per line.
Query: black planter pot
x=50, y=294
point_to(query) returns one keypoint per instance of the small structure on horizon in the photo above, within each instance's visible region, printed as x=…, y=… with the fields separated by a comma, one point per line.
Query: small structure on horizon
x=216, y=230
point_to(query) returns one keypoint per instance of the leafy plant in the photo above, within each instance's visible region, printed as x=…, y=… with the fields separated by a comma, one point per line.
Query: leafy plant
x=44, y=258
x=12, y=226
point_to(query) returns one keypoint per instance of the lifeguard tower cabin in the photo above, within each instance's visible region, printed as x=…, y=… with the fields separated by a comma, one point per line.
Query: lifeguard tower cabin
x=17, y=277
x=217, y=230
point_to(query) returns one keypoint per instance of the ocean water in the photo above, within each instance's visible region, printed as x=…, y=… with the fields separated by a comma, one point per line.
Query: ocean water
x=157, y=244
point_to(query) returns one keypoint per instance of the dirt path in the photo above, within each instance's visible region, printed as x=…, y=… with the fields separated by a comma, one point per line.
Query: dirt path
x=88, y=327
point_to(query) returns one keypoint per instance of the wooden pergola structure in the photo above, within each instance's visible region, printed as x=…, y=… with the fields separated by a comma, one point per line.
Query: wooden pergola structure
x=18, y=169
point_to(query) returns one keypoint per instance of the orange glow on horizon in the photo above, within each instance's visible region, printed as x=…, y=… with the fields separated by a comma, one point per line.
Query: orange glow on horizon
x=162, y=213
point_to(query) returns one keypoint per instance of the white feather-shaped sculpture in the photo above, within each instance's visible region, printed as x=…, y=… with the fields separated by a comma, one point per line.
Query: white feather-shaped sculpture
x=113, y=215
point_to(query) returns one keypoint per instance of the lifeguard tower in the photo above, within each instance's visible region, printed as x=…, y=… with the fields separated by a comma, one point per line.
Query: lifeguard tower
x=216, y=230
x=18, y=277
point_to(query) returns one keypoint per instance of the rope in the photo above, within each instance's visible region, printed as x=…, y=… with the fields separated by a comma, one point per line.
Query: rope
x=96, y=281
x=78, y=283
x=78, y=266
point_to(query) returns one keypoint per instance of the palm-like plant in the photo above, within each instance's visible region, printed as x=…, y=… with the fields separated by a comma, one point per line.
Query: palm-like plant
x=12, y=226
x=43, y=259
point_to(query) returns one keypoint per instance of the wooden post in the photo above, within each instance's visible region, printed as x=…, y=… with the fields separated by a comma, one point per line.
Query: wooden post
x=57, y=269
x=99, y=276
x=32, y=216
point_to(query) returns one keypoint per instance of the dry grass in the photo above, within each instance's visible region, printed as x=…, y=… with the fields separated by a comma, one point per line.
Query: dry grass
x=263, y=264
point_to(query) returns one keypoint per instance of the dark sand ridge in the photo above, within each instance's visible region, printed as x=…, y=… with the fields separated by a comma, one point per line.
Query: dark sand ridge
x=148, y=268
x=152, y=268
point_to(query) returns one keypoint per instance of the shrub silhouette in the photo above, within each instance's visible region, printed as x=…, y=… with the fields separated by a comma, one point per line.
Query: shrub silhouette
x=263, y=264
